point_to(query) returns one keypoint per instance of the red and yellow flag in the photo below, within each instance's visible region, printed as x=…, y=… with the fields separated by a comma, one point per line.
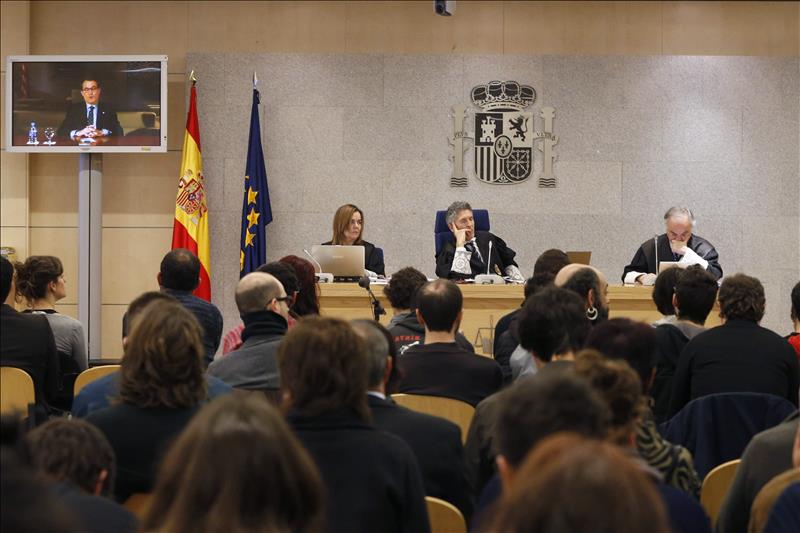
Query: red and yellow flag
x=190, y=230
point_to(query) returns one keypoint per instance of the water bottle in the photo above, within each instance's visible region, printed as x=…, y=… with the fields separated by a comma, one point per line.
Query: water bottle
x=32, y=134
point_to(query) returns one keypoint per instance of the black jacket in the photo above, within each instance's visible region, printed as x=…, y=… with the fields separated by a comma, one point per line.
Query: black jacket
x=96, y=513
x=76, y=119
x=372, y=477
x=671, y=339
x=408, y=332
x=27, y=342
x=644, y=260
x=738, y=356
x=436, y=443
x=373, y=260
x=444, y=369
x=502, y=256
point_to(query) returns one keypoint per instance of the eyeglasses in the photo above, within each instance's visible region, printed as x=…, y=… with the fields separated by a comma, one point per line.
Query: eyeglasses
x=90, y=89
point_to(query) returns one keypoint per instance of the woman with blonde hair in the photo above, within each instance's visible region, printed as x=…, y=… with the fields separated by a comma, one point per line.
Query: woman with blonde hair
x=237, y=467
x=348, y=230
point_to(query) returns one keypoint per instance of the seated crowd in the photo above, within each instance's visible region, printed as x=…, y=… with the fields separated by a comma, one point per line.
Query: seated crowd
x=292, y=426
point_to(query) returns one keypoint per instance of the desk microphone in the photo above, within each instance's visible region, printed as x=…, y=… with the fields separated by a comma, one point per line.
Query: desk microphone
x=322, y=277
x=489, y=260
x=655, y=240
x=377, y=308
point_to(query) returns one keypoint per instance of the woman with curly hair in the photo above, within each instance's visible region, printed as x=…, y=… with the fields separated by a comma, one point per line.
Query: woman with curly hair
x=307, y=302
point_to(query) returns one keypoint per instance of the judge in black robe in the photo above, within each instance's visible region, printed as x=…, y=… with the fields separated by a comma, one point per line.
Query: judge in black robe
x=700, y=251
x=500, y=259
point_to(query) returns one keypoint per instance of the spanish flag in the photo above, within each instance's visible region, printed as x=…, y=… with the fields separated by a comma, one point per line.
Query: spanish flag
x=190, y=229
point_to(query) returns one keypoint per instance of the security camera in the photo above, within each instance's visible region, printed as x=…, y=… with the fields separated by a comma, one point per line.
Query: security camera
x=444, y=8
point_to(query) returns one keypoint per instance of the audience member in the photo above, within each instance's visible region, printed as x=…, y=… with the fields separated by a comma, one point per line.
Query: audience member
x=440, y=367
x=161, y=385
x=307, y=302
x=738, y=356
x=406, y=330
x=373, y=480
x=26, y=341
x=179, y=276
x=768, y=496
x=663, y=291
x=693, y=298
x=634, y=343
x=436, y=442
x=237, y=467
x=264, y=308
x=794, y=314
x=767, y=455
x=619, y=385
x=590, y=284
x=77, y=457
x=283, y=273
x=569, y=483
x=99, y=393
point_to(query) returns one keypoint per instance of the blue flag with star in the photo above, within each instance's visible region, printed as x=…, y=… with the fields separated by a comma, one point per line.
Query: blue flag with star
x=256, y=209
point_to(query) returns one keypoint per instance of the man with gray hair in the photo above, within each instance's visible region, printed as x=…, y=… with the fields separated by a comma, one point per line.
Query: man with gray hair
x=678, y=244
x=436, y=442
x=473, y=252
x=263, y=306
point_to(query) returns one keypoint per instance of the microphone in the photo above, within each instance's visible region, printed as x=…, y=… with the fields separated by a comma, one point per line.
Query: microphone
x=489, y=259
x=377, y=308
x=322, y=277
x=489, y=278
x=655, y=240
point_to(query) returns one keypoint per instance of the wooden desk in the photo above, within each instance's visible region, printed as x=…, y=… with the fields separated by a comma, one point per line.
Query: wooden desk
x=484, y=305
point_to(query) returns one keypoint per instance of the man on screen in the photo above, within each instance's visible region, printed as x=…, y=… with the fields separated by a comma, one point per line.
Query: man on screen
x=678, y=244
x=90, y=118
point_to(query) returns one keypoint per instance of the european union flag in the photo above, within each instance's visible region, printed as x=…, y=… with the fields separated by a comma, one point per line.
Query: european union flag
x=256, y=209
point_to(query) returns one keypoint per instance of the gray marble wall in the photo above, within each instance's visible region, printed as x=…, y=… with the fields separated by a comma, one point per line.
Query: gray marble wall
x=636, y=135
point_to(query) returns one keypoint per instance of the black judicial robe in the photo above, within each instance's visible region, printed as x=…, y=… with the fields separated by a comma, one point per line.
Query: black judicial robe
x=645, y=259
x=502, y=257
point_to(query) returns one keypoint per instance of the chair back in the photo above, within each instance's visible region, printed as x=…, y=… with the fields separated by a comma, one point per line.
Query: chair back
x=458, y=412
x=91, y=374
x=16, y=390
x=442, y=233
x=444, y=517
x=138, y=503
x=715, y=488
x=716, y=428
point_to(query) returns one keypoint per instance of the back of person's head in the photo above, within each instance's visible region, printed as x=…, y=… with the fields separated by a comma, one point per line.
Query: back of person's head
x=237, y=467
x=139, y=303
x=633, y=342
x=537, y=282
x=283, y=273
x=552, y=321
x=180, y=270
x=323, y=367
x=6, y=277
x=307, y=302
x=741, y=297
x=573, y=484
x=439, y=303
x=695, y=293
x=73, y=451
x=545, y=404
x=550, y=262
x=619, y=386
x=664, y=289
x=255, y=290
x=403, y=286
x=795, y=311
x=377, y=346
x=162, y=366
x=35, y=274
x=582, y=281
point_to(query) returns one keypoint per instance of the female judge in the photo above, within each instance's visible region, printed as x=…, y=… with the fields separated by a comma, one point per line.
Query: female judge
x=348, y=227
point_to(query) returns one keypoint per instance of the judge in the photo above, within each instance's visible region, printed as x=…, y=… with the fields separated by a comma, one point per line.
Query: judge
x=677, y=244
x=348, y=227
x=468, y=255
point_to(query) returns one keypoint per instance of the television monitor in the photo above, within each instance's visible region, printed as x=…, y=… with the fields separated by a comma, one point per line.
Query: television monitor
x=86, y=104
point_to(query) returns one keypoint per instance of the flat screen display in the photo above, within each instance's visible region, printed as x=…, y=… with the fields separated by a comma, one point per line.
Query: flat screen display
x=86, y=104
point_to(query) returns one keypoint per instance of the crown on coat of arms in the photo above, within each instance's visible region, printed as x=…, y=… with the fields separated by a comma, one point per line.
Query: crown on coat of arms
x=508, y=95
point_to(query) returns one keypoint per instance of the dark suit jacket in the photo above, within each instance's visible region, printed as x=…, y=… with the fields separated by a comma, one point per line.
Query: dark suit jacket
x=502, y=256
x=644, y=260
x=372, y=259
x=76, y=119
x=436, y=442
x=27, y=342
x=96, y=513
x=444, y=369
x=372, y=477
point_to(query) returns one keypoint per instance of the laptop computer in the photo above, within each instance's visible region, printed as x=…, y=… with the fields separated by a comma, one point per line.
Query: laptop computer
x=582, y=258
x=346, y=263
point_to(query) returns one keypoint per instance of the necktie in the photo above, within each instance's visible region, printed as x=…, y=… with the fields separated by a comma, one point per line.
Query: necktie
x=475, y=260
x=90, y=116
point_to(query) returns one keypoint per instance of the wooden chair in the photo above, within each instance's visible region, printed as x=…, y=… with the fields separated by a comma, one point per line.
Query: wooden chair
x=458, y=412
x=444, y=517
x=91, y=374
x=16, y=390
x=715, y=488
x=138, y=503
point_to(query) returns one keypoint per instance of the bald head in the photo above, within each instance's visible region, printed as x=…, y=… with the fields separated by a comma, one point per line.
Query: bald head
x=256, y=291
x=568, y=271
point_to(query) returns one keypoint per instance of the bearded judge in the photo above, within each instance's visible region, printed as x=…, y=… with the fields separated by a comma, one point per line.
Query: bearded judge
x=678, y=244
